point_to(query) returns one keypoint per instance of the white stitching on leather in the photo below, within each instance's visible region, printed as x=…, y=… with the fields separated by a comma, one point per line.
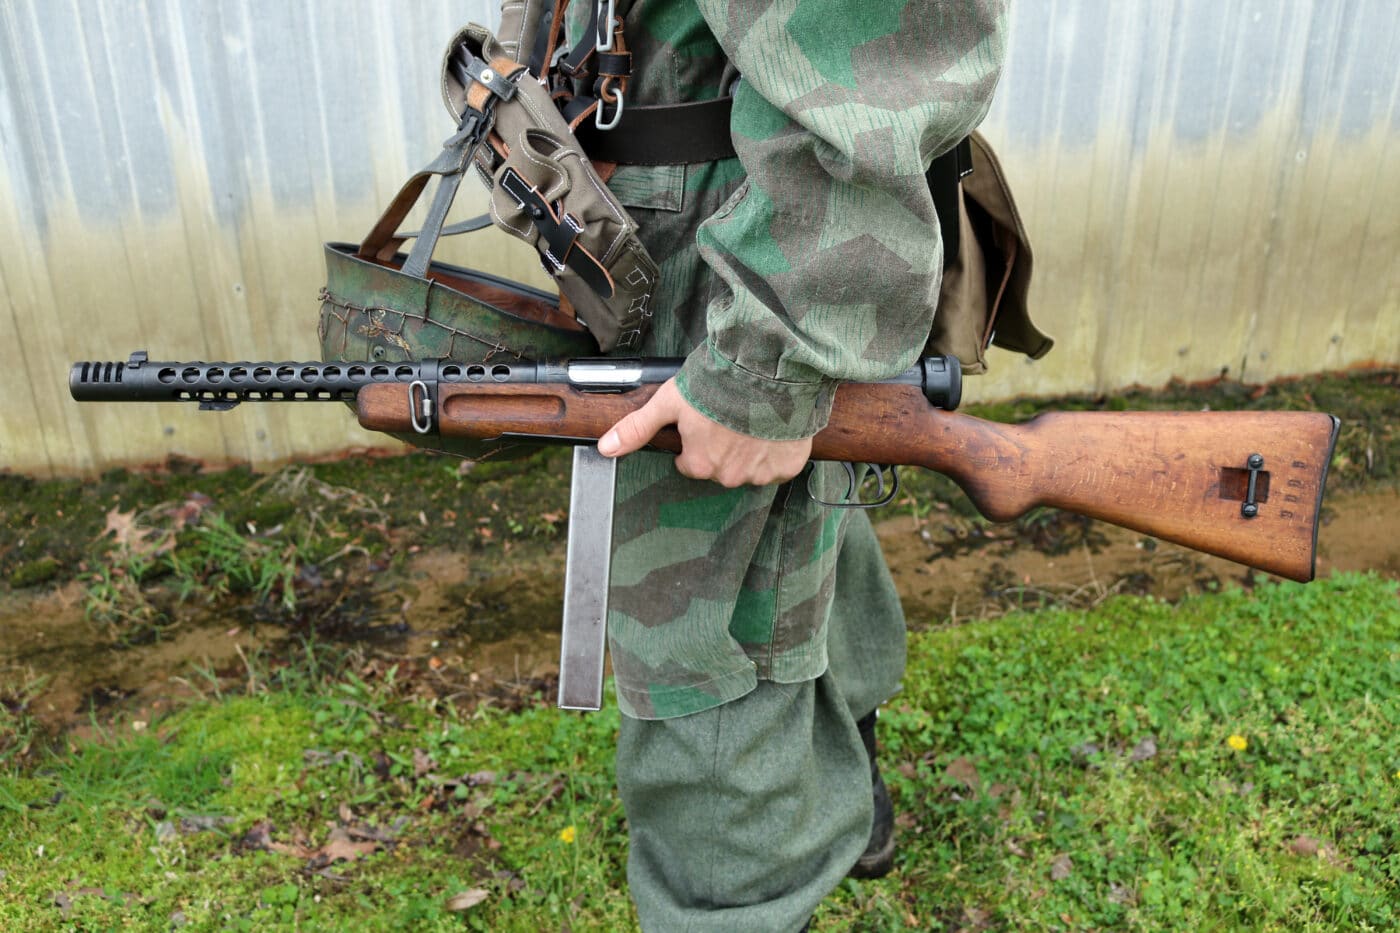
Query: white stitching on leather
x=610, y=253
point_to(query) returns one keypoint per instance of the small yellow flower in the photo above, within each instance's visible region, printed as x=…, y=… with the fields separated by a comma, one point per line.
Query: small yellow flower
x=566, y=835
x=1238, y=742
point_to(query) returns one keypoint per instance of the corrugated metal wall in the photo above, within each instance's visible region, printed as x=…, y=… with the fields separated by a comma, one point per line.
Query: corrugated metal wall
x=1208, y=186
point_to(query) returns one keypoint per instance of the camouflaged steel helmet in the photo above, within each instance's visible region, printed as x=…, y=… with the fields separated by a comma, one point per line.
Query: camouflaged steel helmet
x=383, y=305
x=372, y=310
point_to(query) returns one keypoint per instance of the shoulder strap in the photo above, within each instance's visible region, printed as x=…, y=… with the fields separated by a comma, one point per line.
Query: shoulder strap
x=944, y=176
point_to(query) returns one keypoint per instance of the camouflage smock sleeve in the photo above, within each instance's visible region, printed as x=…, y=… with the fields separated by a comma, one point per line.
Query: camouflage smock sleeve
x=829, y=252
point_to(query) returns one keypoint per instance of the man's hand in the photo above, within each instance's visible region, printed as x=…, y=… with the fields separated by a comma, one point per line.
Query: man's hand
x=709, y=450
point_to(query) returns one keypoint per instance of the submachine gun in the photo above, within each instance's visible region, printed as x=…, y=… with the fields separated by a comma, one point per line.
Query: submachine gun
x=1246, y=486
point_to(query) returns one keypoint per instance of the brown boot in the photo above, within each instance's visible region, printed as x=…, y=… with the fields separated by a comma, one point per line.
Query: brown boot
x=878, y=858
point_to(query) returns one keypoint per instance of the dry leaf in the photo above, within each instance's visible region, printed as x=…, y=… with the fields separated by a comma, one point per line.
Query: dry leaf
x=294, y=849
x=1306, y=846
x=258, y=837
x=341, y=847
x=121, y=525
x=963, y=771
x=1122, y=894
x=1145, y=749
x=976, y=918
x=193, y=506
x=1061, y=867
x=467, y=899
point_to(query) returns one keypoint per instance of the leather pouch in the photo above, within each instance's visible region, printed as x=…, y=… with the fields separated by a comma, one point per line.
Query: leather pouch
x=546, y=192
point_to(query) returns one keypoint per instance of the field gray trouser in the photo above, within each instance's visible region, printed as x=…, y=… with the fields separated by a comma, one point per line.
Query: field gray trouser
x=743, y=817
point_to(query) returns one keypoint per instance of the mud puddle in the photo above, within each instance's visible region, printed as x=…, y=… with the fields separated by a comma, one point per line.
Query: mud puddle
x=473, y=629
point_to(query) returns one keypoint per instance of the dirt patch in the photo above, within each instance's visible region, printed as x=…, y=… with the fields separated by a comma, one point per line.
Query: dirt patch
x=497, y=628
x=63, y=667
x=487, y=625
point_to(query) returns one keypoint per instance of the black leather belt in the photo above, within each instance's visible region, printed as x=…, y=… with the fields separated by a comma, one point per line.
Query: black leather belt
x=663, y=134
x=684, y=134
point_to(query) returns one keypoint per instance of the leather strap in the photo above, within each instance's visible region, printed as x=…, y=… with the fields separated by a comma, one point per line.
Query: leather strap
x=551, y=30
x=667, y=134
x=383, y=241
x=560, y=233
x=573, y=63
x=944, y=177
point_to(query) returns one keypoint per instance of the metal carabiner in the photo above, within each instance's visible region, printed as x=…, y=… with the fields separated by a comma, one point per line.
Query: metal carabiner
x=605, y=25
x=616, y=117
x=420, y=399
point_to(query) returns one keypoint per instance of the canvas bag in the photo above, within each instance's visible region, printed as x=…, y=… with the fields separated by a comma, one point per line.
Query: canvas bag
x=983, y=297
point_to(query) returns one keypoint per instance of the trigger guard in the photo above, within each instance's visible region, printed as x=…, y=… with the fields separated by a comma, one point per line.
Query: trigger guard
x=885, y=498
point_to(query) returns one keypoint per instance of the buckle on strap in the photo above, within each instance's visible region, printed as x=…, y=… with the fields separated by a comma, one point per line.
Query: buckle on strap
x=468, y=68
x=560, y=233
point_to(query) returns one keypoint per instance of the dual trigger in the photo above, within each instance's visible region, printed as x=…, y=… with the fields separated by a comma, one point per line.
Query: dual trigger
x=884, y=496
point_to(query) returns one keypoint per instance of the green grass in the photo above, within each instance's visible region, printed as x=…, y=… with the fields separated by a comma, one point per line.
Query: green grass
x=1058, y=770
x=1044, y=712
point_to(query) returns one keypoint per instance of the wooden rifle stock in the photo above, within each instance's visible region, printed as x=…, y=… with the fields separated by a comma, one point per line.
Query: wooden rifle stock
x=1246, y=486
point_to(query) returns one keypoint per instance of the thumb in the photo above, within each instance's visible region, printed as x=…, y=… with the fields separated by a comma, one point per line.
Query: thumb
x=633, y=431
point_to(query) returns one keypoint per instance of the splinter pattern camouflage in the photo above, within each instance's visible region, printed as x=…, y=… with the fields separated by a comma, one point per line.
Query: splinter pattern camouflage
x=821, y=263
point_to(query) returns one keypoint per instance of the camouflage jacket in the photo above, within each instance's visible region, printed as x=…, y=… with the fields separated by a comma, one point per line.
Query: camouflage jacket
x=812, y=259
